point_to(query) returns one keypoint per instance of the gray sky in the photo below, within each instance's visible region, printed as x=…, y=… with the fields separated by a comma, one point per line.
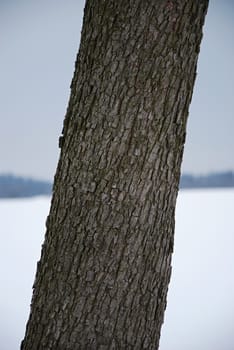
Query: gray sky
x=39, y=42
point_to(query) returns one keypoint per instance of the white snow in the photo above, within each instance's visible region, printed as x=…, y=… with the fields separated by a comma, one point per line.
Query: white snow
x=200, y=312
x=22, y=232
x=200, y=309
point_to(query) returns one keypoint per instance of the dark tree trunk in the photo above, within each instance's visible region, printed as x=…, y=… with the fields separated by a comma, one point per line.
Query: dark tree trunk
x=106, y=261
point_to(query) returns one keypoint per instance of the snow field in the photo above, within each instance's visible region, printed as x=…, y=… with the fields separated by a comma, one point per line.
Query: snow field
x=200, y=311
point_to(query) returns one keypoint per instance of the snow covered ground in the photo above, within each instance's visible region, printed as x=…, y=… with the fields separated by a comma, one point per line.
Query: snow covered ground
x=200, y=308
x=200, y=312
x=22, y=231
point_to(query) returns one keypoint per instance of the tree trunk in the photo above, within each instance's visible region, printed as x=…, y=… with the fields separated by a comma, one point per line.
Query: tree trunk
x=105, y=266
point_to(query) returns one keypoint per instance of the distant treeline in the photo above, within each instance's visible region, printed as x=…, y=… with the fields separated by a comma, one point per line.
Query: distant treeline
x=12, y=186
x=224, y=179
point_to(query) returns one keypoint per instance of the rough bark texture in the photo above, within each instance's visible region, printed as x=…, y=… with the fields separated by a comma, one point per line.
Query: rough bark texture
x=103, y=276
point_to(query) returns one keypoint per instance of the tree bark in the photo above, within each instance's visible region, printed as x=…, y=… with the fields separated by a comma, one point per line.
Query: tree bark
x=105, y=266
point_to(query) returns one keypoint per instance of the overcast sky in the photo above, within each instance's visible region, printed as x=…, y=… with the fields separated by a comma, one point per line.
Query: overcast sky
x=39, y=42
